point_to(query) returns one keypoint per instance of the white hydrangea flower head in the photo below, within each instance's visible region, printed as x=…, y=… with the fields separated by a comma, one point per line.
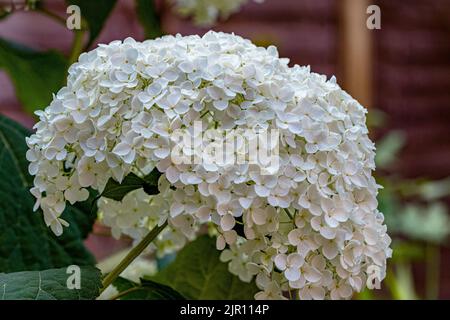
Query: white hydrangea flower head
x=311, y=227
x=207, y=12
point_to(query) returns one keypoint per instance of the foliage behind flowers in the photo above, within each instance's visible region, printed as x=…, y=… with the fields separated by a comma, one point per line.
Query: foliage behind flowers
x=312, y=226
x=207, y=12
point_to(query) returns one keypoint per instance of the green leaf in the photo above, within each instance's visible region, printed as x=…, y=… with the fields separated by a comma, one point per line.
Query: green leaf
x=26, y=243
x=149, y=18
x=428, y=223
x=401, y=282
x=122, y=284
x=95, y=14
x=4, y=12
x=375, y=118
x=153, y=290
x=389, y=204
x=115, y=190
x=405, y=251
x=432, y=190
x=35, y=75
x=197, y=273
x=151, y=182
x=146, y=290
x=365, y=294
x=388, y=149
x=50, y=285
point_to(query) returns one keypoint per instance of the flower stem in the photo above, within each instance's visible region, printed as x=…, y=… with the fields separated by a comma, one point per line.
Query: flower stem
x=288, y=213
x=52, y=15
x=77, y=46
x=133, y=254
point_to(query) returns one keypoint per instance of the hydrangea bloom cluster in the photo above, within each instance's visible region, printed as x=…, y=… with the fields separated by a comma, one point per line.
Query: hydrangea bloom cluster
x=207, y=12
x=312, y=227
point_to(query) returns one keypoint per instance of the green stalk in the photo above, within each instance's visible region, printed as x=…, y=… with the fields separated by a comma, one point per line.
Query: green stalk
x=133, y=254
x=77, y=45
x=289, y=214
x=52, y=15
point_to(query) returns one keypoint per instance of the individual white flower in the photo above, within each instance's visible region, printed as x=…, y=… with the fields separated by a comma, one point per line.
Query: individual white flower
x=237, y=262
x=126, y=149
x=290, y=264
x=73, y=192
x=303, y=240
x=311, y=224
x=271, y=292
x=335, y=211
x=312, y=292
x=319, y=225
x=341, y=290
x=263, y=183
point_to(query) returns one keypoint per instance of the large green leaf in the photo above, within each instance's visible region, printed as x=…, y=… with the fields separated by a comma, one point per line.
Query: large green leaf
x=95, y=14
x=25, y=242
x=50, y=285
x=149, y=18
x=35, y=75
x=197, y=273
x=146, y=290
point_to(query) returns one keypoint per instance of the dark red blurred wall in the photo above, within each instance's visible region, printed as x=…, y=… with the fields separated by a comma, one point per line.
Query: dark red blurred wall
x=412, y=81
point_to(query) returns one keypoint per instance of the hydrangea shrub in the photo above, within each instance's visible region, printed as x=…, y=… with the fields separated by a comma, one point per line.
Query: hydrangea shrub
x=312, y=226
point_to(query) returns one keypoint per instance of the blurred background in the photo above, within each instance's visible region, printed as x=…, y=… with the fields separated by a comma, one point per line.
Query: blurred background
x=400, y=72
